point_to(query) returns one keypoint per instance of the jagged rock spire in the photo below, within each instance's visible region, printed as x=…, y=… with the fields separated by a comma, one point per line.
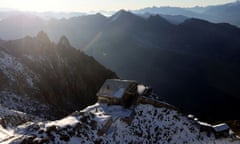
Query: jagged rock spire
x=64, y=42
x=43, y=37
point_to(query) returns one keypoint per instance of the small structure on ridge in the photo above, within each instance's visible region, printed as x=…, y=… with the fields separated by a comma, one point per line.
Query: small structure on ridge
x=118, y=92
x=221, y=130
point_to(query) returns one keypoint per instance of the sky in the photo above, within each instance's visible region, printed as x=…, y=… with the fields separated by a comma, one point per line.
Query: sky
x=96, y=5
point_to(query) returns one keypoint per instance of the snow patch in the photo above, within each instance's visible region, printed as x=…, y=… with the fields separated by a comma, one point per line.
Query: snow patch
x=63, y=122
x=14, y=69
x=140, y=89
x=4, y=134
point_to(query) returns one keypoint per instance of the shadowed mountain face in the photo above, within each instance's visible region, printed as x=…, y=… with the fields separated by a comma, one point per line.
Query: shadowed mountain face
x=194, y=65
x=56, y=74
x=80, y=30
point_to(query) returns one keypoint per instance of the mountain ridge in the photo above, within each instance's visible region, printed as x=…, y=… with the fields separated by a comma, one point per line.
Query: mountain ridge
x=102, y=123
x=223, y=13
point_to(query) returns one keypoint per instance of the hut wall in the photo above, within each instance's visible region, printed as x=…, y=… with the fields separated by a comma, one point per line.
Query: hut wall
x=145, y=100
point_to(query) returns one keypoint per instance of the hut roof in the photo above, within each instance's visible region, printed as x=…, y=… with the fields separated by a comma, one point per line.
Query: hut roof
x=115, y=87
x=221, y=127
x=204, y=124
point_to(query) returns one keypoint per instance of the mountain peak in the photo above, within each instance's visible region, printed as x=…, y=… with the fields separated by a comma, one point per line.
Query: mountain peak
x=121, y=14
x=236, y=3
x=196, y=21
x=95, y=16
x=157, y=18
x=100, y=15
x=123, y=11
x=64, y=42
x=43, y=37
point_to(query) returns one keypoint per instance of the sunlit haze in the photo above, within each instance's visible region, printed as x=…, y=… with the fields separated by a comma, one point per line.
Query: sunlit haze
x=95, y=5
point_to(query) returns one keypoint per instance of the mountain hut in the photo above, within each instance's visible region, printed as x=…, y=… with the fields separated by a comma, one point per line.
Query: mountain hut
x=118, y=92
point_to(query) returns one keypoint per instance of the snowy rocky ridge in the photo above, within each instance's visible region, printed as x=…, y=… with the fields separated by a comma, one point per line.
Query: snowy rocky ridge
x=102, y=123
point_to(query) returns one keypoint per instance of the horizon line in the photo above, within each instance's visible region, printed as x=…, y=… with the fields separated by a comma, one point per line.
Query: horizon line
x=105, y=11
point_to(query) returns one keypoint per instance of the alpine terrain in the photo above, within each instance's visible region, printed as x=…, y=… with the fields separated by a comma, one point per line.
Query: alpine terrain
x=166, y=75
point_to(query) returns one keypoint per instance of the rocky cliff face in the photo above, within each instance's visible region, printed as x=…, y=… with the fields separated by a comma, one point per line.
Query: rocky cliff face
x=35, y=71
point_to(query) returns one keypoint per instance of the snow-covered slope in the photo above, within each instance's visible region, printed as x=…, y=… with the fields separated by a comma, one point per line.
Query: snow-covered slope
x=23, y=103
x=14, y=69
x=102, y=123
x=10, y=119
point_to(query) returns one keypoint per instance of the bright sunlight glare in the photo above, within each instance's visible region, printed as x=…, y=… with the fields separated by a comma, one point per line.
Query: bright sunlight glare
x=95, y=5
x=37, y=5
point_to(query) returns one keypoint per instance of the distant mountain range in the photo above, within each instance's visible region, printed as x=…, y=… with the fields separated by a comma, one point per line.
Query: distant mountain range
x=226, y=13
x=80, y=27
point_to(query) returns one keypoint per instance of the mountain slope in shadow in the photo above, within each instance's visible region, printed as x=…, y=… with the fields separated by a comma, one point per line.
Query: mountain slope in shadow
x=193, y=65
